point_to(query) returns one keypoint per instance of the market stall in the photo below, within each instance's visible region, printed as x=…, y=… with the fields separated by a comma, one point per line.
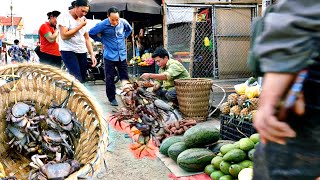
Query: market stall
x=144, y=15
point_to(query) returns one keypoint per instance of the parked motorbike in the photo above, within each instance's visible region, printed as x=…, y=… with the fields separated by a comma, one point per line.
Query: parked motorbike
x=97, y=72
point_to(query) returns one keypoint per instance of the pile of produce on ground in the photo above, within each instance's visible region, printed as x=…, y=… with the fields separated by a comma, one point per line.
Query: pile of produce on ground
x=191, y=151
x=232, y=159
x=242, y=104
x=200, y=150
x=144, y=60
x=148, y=119
x=47, y=138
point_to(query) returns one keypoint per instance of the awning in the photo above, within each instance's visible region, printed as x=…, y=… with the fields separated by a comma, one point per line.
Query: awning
x=139, y=6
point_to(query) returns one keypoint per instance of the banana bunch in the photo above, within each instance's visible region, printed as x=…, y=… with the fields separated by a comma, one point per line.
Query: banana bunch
x=146, y=56
x=135, y=60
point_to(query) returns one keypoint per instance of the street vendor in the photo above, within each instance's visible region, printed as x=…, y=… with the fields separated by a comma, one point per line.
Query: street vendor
x=169, y=71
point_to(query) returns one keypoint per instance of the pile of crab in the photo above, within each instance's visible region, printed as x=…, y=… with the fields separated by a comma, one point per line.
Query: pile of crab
x=47, y=138
x=144, y=117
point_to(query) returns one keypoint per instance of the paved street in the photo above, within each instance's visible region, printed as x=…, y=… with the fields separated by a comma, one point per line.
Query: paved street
x=120, y=161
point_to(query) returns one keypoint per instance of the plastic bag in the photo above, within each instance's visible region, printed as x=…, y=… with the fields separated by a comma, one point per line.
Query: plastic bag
x=252, y=91
x=242, y=88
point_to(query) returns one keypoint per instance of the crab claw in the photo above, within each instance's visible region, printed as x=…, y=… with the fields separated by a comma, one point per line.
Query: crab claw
x=36, y=160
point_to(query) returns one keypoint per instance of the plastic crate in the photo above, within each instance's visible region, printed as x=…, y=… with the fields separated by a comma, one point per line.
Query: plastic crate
x=132, y=70
x=145, y=69
x=234, y=129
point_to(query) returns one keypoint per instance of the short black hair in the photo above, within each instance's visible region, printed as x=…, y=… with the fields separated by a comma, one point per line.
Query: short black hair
x=53, y=14
x=16, y=41
x=81, y=3
x=161, y=52
x=113, y=10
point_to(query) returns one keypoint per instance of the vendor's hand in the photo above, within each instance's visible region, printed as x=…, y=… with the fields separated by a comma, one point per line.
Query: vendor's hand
x=94, y=61
x=145, y=76
x=270, y=128
x=126, y=86
x=156, y=86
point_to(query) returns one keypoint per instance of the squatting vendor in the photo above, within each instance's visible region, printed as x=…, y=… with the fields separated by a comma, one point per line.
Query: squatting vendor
x=169, y=71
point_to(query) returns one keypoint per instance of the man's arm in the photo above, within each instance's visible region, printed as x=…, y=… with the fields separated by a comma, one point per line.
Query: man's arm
x=95, y=32
x=160, y=77
x=127, y=27
x=266, y=122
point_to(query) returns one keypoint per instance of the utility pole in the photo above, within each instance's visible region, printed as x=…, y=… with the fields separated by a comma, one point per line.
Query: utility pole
x=11, y=7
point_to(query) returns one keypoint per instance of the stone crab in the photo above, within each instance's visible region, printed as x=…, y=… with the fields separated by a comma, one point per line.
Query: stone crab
x=19, y=110
x=23, y=115
x=20, y=139
x=62, y=119
x=51, y=169
x=57, y=141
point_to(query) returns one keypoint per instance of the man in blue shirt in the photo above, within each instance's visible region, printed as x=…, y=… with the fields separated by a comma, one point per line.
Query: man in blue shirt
x=112, y=33
x=16, y=52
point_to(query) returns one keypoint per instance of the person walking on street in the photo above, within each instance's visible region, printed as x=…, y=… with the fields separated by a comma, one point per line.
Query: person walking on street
x=169, y=71
x=16, y=52
x=49, y=48
x=74, y=42
x=289, y=43
x=112, y=32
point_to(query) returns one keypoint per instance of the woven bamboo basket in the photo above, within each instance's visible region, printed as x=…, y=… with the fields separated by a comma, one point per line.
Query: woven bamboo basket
x=193, y=97
x=41, y=84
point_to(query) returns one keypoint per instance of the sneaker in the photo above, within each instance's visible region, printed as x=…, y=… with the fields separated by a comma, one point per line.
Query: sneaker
x=114, y=102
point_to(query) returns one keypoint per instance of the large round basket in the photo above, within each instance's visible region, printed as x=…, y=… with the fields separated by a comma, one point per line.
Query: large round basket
x=193, y=97
x=42, y=84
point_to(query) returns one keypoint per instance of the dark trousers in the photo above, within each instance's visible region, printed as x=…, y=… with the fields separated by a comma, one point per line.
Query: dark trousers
x=76, y=64
x=169, y=95
x=51, y=59
x=110, y=72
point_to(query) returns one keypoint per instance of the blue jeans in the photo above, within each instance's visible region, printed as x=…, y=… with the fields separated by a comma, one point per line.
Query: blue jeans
x=76, y=64
x=110, y=72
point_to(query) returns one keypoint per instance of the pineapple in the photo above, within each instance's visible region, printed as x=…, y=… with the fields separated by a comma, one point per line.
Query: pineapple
x=232, y=99
x=254, y=103
x=235, y=111
x=241, y=100
x=225, y=108
x=244, y=113
x=252, y=115
x=251, y=104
